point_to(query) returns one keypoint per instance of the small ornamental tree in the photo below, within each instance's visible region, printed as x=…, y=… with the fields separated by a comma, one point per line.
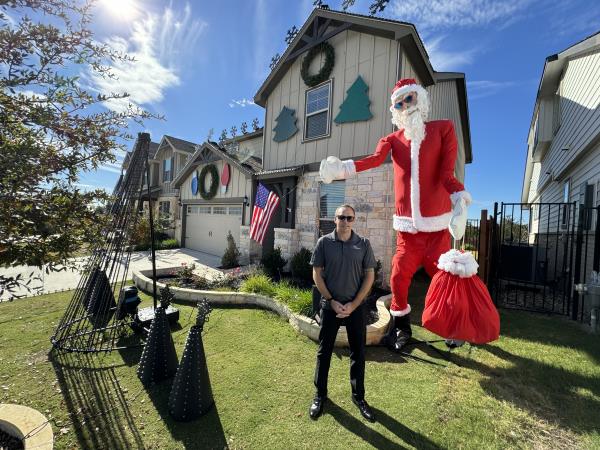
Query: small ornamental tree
x=231, y=257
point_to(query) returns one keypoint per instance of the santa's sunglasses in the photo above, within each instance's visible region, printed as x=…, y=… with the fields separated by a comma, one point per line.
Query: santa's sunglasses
x=406, y=101
x=346, y=218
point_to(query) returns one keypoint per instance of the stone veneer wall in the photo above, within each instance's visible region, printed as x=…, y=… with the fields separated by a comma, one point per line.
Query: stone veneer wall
x=372, y=195
x=250, y=250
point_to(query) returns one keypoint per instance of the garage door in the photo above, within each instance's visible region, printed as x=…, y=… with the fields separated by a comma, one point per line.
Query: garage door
x=206, y=227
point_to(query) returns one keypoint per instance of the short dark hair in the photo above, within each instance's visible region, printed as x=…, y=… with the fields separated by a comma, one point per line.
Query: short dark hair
x=345, y=205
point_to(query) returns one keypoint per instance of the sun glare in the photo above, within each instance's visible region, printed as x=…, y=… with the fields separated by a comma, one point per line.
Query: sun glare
x=122, y=9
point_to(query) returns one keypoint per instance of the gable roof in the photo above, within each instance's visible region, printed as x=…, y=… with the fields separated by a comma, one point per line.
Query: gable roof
x=195, y=160
x=315, y=30
x=181, y=144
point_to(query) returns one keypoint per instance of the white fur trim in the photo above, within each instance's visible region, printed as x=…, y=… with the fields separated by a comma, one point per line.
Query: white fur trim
x=406, y=89
x=404, y=224
x=461, y=194
x=458, y=263
x=349, y=168
x=400, y=313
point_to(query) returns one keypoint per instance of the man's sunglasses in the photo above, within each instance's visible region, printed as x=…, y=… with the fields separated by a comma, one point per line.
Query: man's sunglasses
x=346, y=218
x=406, y=101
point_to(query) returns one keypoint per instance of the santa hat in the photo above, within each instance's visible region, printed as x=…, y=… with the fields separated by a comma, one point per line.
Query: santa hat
x=404, y=86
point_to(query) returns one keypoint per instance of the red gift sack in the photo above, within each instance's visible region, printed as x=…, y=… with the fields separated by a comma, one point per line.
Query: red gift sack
x=458, y=304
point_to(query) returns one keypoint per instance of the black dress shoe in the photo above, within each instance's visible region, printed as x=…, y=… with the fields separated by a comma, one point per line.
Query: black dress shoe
x=365, y=409
x=316, y=408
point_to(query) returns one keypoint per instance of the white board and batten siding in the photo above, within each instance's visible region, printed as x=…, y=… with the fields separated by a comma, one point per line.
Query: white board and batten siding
x=207, y=222
x=375, y=60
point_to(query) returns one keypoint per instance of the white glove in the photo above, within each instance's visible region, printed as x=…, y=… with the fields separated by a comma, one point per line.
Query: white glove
x=333, y=168
x=458, y=221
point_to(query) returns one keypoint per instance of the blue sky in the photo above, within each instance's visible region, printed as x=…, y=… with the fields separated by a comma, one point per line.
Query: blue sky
x=200, y=64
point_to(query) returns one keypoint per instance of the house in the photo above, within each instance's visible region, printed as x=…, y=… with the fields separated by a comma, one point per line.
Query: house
x=304, y=124
x=563, y=148
x=561, y=184
x=215, y=188
x=166, y=159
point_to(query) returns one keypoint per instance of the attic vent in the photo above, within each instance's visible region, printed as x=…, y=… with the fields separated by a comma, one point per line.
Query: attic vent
x=323, y=6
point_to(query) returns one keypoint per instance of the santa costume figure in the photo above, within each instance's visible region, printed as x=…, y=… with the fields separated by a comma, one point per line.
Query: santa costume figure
x=423, y=157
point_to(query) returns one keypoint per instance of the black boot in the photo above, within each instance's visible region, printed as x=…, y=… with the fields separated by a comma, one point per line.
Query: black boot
x=403, y=334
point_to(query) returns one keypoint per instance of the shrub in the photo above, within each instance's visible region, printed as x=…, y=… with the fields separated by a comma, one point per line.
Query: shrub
x=231, y=256
x=273, y=263
x=300, y=265
x=298, y=300
x=229, y=281
x=168, y=243
x=258, y=284
x=185, y=273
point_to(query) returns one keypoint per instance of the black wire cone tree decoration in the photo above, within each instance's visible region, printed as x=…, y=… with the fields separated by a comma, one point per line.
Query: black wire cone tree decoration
x=93, y=321
x=159, y=358
x=191, y=394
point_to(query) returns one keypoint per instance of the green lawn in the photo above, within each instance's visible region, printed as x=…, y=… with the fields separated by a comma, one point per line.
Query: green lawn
x=537, y=387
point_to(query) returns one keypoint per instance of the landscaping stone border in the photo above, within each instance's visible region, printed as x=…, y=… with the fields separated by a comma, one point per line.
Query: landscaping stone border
x=24, y=422
x=302, y=324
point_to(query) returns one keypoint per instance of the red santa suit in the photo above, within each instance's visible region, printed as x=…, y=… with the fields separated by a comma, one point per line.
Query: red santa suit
x=423, y=181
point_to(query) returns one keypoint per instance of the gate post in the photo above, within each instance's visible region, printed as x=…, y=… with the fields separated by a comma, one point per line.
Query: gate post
x=578, y=252
x=482, y=251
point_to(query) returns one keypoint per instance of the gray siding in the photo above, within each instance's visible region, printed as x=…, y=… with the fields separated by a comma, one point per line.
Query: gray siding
x=375, y=60
x=579, y=117
x=443, y=97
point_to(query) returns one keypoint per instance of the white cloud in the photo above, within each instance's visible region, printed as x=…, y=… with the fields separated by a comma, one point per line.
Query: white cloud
x=160, y=45
x=112, y=167
x=446, y=60
x=486, y=88
x=437, y=14
x=242, y=103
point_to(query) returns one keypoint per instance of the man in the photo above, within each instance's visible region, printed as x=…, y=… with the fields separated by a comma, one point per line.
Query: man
x=343, y=270
x=423, y=156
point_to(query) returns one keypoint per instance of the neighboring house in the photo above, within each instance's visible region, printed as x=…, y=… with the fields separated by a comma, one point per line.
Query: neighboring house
x=166, y=162
x=205, y=220
x=563, y=152
x=305, y=124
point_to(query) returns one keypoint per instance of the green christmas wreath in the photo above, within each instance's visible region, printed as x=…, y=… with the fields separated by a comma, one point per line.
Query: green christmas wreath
x=325, y=72
x=214, y=182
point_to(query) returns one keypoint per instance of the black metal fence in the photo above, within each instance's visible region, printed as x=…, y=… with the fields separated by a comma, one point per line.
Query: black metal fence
x=539, y=252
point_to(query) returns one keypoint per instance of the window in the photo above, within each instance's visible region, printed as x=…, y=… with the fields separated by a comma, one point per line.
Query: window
x=164, y=207
x=564, y=221
x=203, y=209
x=330, y=197
x=235, y=210
x=219, y=210
x=168, y=165
x=317, y=112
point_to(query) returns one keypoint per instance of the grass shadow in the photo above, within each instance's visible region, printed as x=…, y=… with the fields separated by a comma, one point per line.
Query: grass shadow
x=206, y=432
x=375, y=438
x=95, y=402
x=555, y=394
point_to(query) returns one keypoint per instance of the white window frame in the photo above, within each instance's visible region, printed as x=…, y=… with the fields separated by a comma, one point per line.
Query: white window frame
x=328, y=109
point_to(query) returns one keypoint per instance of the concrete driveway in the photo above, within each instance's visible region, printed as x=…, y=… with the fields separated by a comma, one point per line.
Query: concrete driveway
x=68, y=279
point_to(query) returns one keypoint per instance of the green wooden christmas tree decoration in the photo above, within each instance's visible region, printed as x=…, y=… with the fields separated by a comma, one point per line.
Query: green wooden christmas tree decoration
x=191, y=394
x=356, y=106
x=286, y=125
x=159, y=358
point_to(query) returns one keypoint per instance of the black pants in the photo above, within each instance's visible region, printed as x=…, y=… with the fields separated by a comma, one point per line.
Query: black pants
x=357, y=332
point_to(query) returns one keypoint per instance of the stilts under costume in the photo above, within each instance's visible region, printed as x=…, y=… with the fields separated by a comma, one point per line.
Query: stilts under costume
x=423, y=157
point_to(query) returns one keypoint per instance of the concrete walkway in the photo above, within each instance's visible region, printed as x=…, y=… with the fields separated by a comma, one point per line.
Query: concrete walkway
x=68, y=279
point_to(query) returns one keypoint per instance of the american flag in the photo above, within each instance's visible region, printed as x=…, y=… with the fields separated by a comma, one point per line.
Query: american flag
x=265, y=204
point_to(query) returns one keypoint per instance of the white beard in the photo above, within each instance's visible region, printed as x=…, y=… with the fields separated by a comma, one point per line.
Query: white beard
x=412, y=122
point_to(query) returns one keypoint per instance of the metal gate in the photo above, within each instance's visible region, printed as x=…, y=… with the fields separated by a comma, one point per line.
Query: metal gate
x=532, y=256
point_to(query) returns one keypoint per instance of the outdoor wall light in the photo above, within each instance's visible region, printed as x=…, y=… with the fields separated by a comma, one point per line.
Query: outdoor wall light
x=246, y=202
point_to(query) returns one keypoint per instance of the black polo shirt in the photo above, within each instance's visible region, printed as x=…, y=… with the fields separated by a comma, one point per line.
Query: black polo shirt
x=344, y=264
